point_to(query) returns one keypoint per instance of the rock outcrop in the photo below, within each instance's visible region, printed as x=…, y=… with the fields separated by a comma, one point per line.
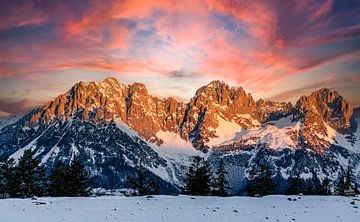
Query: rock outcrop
x=199, y=120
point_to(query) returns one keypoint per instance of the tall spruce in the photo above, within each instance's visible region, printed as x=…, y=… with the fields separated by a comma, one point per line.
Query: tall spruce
x=260, y=181
x=346, y=181
x=309, y=190
x=58, y=180
x=318, y=188
x=220, y=182
x=326, y=183
x=296, y=186
x=142, y=183
x=198, y=181
x=9, y=186
x=31, y=176
x=78, y=180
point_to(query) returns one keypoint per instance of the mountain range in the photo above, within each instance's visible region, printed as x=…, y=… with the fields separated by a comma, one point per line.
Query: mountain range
x=115, y=127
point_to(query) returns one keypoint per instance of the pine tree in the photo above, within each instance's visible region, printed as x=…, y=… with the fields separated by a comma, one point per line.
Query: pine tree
x=350, y=180
x=341, y=185
x=198, y=178
x=296, y=186
x=309, y=190
x=318, y=188
x=326, y=184
x=78, y=180
x=142, y=183
x=260, y=181
x=58, y=180
x=31, y=176
x=220, y=182
x=346, y=181
x=9, y=185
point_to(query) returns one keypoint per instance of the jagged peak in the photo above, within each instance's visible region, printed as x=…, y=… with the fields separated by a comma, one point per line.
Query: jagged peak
x=218, y=86
x=216, y=83
x=325, y=92
x=110, y=81
x=138, y=88
x=329, y=105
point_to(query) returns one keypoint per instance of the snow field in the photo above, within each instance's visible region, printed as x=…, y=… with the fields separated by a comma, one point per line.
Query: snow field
x=181, y=208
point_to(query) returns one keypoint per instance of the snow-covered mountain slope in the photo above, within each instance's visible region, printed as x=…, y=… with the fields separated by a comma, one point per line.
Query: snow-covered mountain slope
x=111, y=152
x=8, y=120
x=115, y=128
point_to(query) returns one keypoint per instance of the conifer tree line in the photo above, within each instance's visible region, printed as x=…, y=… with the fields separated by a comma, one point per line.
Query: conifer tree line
x=200, y=181
x=142, y=184
x=27, y=178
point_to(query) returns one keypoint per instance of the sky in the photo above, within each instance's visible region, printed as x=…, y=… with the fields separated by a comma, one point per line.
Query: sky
x=276, y=49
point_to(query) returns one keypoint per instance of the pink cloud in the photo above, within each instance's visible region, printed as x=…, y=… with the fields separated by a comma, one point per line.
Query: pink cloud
x=280, y=39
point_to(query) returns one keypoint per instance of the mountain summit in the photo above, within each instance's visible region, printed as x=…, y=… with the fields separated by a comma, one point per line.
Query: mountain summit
x=116, y=127
x=214, y=113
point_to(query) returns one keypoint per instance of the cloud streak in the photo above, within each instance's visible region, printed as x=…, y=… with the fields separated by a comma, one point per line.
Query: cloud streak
x=252, y=43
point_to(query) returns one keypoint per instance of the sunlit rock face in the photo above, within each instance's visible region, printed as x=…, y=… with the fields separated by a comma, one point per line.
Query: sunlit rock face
x=115, y=128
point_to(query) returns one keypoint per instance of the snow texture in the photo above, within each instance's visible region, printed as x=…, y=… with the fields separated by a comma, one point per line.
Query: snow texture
x=181, y=208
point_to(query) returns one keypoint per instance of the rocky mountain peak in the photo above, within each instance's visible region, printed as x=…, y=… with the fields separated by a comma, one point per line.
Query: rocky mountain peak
x=202, y=120
x=329, y=105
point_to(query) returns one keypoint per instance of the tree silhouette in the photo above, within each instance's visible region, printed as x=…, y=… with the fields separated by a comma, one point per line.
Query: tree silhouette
x=9, y=185
x=260, y=181
x=198, y=178
x=142, y=183
x=58, y=180
x=31, y=176
x=220, y=182
x=78, y=180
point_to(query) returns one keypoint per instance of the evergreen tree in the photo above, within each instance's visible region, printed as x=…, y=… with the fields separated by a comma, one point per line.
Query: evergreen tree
x=341, y=186
x=198, y=178
x=346, y=181
x=9, y=185
x=318, y=188
x=143, y=184
x=30, y=175
x=309, y=190
x=220, y=182
x=296, y=186
x=58, y=180
x=78, y=180
x=326, y=184
x=350, y=180
x=260, y=181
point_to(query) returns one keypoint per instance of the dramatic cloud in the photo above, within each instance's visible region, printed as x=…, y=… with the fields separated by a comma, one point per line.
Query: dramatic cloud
x=258, y=44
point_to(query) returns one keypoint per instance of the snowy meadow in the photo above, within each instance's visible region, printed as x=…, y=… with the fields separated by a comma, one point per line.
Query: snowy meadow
x=181, y=208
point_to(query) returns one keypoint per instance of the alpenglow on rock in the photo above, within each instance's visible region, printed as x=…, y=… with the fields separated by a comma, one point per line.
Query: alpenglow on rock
x=116, y=128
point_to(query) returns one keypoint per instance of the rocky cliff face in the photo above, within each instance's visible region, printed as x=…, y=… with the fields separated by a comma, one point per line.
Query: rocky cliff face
x=200, y=121
x=211, y=104
x=269, y=110
x=102, y=102
x=113, y=127
x=322, y=114
x=327, y=105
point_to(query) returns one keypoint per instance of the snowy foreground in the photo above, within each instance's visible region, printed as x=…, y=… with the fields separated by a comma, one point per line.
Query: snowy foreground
x=181, y=208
